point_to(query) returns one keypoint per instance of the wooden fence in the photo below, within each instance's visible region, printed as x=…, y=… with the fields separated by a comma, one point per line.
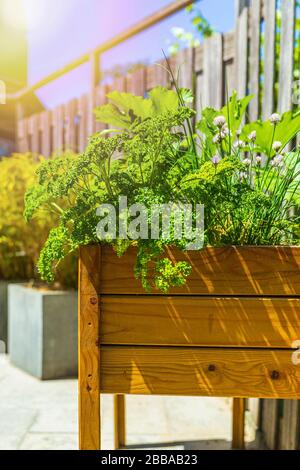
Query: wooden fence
x=236, y=60
x=68, y=126
x=244, y=60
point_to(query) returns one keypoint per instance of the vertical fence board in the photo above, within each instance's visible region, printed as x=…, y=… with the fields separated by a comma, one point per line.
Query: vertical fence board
x=58, y=128
x=213, y=71
x=290, y=425
x=101, y=99
x=229, y=72
x=70, y=128
x=254, y=70
x=286, y=54
x=45, y=128
x=241, y=52
x=229, y=63
x=198, y=59
x=119, y=84
x=33, y=132
x=240, y=5
x=82, y=126
x=270, y=423
x=136, y=82
x=186, y=67
x=95, y=78
x=198, y=95
x=198, y=66
x=161, y=74
x=269, y=57
x=22, y=135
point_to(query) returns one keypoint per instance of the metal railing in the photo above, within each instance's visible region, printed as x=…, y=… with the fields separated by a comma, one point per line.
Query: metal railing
x=94, y=55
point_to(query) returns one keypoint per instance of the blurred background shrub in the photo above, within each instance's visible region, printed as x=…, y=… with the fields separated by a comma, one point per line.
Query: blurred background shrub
x=20, y=243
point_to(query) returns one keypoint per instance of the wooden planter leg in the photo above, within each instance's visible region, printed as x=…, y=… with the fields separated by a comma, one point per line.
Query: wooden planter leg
x=120, y=421
x=89, y=351
x=238, y=423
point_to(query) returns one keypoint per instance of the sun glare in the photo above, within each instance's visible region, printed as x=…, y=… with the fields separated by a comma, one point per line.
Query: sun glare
x=11, y=14
x=22, y=14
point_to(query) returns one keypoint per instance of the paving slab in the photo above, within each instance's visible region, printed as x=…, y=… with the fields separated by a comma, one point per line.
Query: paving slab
x=42, y=415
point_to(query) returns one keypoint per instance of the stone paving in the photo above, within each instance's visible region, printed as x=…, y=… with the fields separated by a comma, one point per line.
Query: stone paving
x=37, y=415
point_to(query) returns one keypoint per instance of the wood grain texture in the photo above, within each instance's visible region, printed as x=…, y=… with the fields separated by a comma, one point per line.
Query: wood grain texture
x=270, y=423
x=83, y=121
x=238, y=423
x=240, y=5
x=119, y=421
x=136, y=82
x=200, y=321
x=228, y=46
x=45, y=120
x=286, y=54
x=269, y=57
x=212, y=94
x=94, y=82
x=185, y=68
x=290, y=430
x=161, y=74
x=198, y=96
x=58, y=118
x=199, y=59
x=243, y=373
x=229, y=73
x=89, y=357
x=70, y=128
x=262, y=271
x=33, y=131
x=241, y=52
x=22, y=133
x=101, y=99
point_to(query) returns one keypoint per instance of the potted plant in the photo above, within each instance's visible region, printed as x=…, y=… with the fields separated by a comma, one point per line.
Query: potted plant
x=19, y=249
x=39, y=317
x=197, y=302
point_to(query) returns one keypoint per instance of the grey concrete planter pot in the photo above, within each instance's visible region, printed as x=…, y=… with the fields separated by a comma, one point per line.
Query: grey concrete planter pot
x=3, y=316
x=42, y=331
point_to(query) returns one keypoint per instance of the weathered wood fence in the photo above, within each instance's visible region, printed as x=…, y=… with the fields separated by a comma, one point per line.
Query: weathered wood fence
x=245, y=60
x=69, y=125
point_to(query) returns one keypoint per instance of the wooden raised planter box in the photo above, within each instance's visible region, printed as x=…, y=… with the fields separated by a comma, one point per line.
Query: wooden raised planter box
x=227, y=333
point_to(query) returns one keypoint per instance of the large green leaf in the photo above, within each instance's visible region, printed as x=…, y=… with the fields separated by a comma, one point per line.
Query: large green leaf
x=126, y=108
x=131, y=104
x=110, y=114
x=163, y=100
x=235, y=110
x=288, y=127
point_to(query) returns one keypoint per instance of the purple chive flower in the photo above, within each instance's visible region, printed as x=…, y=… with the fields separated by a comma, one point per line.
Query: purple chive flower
x=277, y=146
x=252, y=136
x=215, y=159
x=275, y=118
x=219, y=121
x=217, y=139
x=243, y=176
x=278, y=160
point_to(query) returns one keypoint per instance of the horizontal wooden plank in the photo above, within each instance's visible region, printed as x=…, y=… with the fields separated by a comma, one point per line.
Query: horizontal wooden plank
x=200, y=321
x=244, y=270
x=221, y=372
